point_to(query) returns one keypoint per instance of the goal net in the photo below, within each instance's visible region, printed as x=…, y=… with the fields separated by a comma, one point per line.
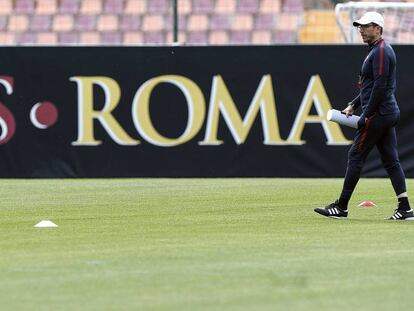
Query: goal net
x=398, y=20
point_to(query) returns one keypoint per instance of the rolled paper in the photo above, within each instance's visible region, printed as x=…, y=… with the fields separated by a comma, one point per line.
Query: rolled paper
x=341, y=118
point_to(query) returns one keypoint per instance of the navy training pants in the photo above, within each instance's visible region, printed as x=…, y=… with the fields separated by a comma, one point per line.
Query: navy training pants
x=379, y=130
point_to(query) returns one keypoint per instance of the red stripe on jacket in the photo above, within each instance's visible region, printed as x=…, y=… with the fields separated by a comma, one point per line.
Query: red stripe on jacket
x=381, y=57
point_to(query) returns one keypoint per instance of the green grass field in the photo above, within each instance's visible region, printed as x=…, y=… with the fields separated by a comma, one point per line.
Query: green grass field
x=201, y=244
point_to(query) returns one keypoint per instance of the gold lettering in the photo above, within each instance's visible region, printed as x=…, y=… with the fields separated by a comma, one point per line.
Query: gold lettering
x=316, y=94
x=221, y=101
x=86, y=113
x=141, y=115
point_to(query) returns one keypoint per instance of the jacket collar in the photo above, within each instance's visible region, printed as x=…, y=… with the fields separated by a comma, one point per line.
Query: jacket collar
x=376, y=42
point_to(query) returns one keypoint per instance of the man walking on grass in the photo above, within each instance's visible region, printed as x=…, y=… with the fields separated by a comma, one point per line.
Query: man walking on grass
x=376, y=127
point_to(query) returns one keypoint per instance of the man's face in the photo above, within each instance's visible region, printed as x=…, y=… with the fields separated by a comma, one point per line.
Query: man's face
x=370, y=32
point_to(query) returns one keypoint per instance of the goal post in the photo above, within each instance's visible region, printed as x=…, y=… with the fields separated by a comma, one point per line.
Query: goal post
x=398, y=20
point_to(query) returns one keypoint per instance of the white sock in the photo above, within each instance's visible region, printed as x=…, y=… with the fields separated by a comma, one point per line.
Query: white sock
x=402, y=195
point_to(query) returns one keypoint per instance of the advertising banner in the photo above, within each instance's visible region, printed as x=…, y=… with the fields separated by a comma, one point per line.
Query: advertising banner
x=239, y=111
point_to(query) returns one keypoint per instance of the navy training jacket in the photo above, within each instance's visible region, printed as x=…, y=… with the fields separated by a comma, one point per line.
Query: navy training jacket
x=377, y=81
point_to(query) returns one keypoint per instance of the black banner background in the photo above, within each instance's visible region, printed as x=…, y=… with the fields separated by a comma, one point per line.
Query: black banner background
x=42, y=74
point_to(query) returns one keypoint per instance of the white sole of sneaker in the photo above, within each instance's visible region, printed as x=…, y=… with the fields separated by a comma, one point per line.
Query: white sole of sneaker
x=406, y=219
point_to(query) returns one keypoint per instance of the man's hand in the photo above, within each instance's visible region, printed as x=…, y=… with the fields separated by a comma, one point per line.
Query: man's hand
x=349, y=111
x=362, y=121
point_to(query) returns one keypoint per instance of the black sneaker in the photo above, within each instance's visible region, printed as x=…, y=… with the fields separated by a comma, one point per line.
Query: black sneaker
x=333, y=211
x=402, y=215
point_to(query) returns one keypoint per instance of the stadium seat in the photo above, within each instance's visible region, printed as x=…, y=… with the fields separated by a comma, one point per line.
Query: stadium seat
x=239, y=37
x=46, y=7
x=107, y=22
x=219, y=22
x=264, y=22
x=153, y=23
x=63, y=23
x=154, y=37
x=320, y=17
x=24, y=6
x=46, y=38
x=318, y=34
x=7, y=38
x=392, y=22
x=6, y=7
x=405, y=37
x=135, y=7
x=132, y=38
x=293, y=6
x=197, y=37
x=40, y=23
x=26, y=38
x=182, y=22
x=184, y=7
x=3, y=23
x=248, y=6
x=218, y=37
x=91, y=7
x=270, y=6
x=69, y=6
x=261, y=37
x=182, y=37
x=282, y=36
x=198, y=23
x=242, y=22
x=203, y=6
x=85, y=23
x=158, y=6
x=68, y=38
x=288, y=22
x=90, y=38
x=111, y=38
x=318, y=4
x=130, y=23
x=113, y=6
x=320, y=27
x=407, y=23
x=225, y=6
x=137, y=21
x=18, y=23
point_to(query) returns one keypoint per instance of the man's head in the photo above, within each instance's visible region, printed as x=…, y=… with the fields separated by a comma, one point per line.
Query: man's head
x=370, y=25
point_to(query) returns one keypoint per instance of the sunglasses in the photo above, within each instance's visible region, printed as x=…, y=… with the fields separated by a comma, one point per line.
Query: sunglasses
x=366, y=26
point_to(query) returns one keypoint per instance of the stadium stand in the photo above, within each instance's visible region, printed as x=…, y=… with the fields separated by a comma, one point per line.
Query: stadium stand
x=320, y=27
x=138, y=22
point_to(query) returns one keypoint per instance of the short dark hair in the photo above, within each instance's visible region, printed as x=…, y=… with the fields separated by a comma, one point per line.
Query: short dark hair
x=379, y=27
x=373, y=24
